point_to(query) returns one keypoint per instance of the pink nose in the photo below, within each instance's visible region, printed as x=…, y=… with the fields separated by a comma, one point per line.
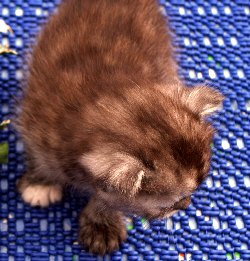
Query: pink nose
x=183, y=204
x=187, y=202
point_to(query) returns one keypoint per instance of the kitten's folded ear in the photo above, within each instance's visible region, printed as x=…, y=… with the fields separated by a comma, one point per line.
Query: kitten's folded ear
x=119, y=171
x=203, y=100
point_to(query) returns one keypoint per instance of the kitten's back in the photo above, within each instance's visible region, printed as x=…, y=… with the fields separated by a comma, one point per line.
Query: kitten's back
x=90, y=49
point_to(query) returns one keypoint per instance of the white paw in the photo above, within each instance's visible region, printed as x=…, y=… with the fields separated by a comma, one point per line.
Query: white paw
x=42, y=195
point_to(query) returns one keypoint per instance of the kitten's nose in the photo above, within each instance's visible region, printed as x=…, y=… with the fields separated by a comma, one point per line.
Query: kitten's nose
x=187, y=202
x=183, y=204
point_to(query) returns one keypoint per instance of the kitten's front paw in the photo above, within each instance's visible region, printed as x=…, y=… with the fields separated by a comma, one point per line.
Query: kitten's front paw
x=41, y=195
x=104, y=237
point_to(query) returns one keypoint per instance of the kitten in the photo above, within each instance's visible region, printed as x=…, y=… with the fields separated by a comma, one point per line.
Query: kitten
x=105, y=111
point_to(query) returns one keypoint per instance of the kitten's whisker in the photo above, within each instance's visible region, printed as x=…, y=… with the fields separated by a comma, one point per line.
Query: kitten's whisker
x=134, y=83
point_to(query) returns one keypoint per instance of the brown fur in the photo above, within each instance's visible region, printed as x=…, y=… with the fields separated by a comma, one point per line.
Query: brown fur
x=104, y=111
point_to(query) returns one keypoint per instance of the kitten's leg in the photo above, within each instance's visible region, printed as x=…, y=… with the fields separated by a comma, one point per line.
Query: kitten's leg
x=38, y=188
x=101, y=230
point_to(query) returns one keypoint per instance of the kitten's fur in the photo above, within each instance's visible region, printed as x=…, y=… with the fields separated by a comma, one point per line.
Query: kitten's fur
x=104, y=111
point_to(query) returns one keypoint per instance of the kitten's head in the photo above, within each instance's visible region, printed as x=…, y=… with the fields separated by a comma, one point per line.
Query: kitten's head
x=151, y=149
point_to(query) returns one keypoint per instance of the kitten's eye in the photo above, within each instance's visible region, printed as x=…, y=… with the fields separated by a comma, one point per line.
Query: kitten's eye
x=149, y=164
x=146, y=162
x=107, y=189
x=163, y=209
x=178, y=172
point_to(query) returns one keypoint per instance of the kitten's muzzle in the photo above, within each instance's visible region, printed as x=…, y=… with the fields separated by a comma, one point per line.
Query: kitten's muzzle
x=180, y=205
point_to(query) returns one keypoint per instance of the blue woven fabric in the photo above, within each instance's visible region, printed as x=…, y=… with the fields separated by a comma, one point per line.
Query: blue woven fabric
x=214, y=38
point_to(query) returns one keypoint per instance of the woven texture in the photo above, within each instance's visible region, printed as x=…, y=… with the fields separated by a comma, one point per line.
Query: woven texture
x=214, y=38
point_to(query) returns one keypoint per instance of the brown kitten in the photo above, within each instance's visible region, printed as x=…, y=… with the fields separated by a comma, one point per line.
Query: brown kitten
x=104, y=111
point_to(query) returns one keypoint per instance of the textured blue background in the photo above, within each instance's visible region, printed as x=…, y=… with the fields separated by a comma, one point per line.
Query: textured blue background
x=214, y=38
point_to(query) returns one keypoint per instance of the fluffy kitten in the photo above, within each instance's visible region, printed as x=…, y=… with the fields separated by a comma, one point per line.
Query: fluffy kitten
x=104, y=111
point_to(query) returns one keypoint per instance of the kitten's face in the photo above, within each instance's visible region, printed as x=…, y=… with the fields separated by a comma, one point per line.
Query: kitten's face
x=155, y=152
x=150, y=206
x=164, y=181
